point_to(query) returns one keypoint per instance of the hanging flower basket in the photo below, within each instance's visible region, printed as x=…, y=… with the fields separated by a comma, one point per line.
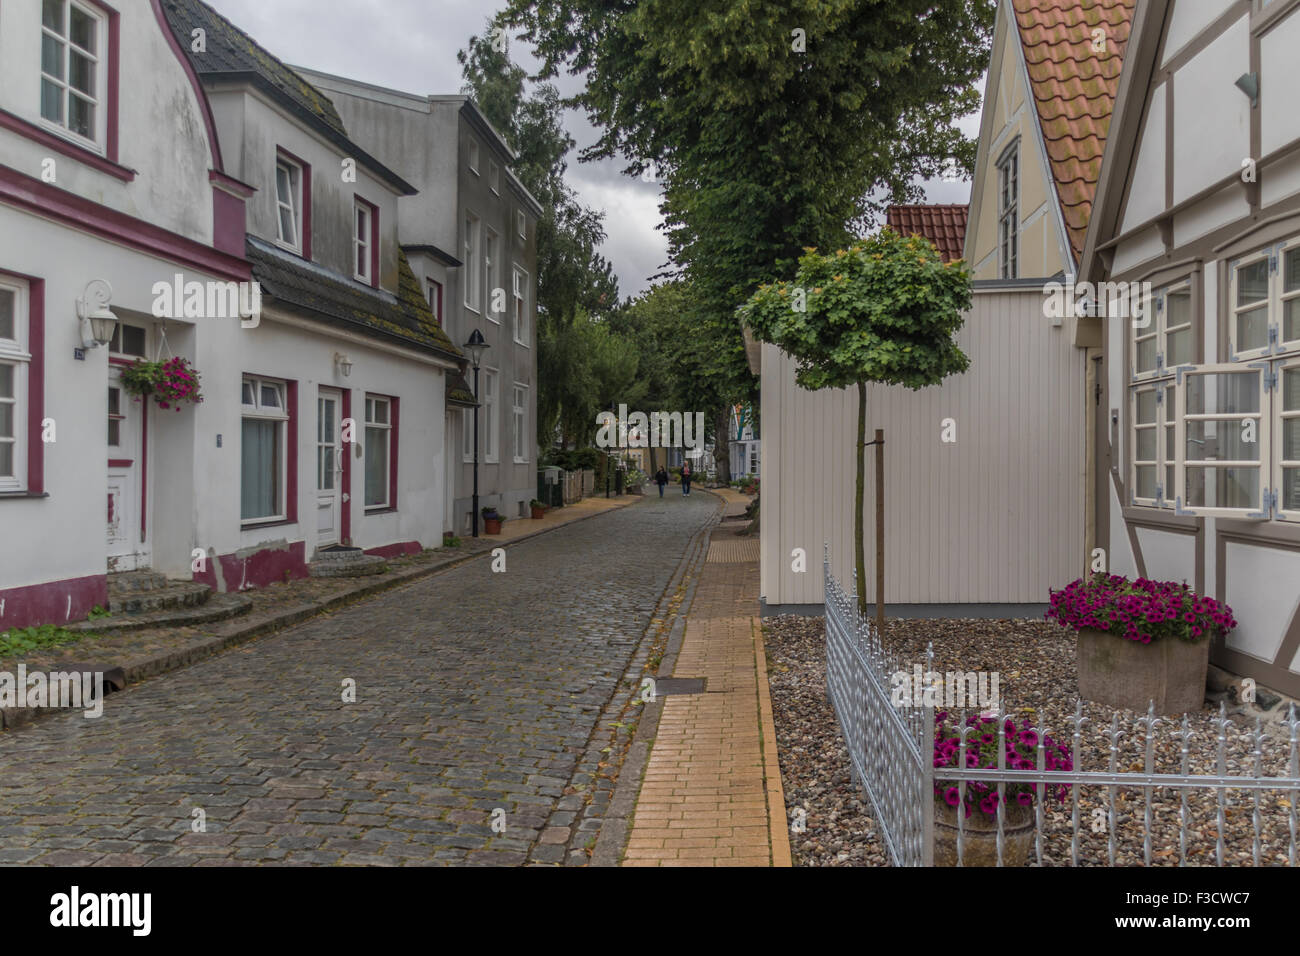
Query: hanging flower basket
x=171, y=383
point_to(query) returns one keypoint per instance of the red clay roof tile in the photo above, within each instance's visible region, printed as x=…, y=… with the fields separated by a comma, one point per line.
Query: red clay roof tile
x=1074, y=89
x=945, y=226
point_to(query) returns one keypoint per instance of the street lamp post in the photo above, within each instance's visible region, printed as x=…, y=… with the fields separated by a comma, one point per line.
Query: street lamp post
x=476, y=346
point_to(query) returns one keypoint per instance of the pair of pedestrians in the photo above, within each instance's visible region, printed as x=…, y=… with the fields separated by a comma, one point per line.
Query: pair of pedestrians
x=661, y=479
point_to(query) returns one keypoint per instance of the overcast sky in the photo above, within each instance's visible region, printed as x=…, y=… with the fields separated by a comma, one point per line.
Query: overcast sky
x=411, y=45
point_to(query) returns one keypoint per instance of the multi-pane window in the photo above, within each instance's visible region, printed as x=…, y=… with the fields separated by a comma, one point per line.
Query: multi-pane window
x=288, y=203
x=379, y=451
x=520, y=417
x=467, y=434
x=1287, y=455
x=1153, y=450
x=127, y=340
x=15, y=361
x=1162, y=331
x=116, y=415
x=435, y=299
x=472, y=279
x=491, y=453
x=519, y=305
x=492, y=269
x=362, y=223
x=71, y=61
x=1222, y=440
x=1008, y=214
x=263, y=463
x=327, y=435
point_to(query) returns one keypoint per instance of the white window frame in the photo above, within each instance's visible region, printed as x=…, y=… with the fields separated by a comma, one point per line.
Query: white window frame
x=1163, y=461
x=494, y=178
x=473, y=226
x=15, y=353
x=519, y=306
x=492, y=272
x=1269, y=255
x=473, y=160
x=294, y=205
x=266, y=413
x=467, y=434
x=99, y=59
x=1008, y=168
x=521, y=224
x=1281, y=415
x=519, y=413
x=437, y=294
x=1158, y=331
x=372, y=403
x=1261, y=509
x=361, y=242
x=1278, y=324
x=491, y=436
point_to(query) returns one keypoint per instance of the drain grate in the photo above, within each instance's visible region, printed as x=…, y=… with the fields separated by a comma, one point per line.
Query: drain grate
x=676, y=686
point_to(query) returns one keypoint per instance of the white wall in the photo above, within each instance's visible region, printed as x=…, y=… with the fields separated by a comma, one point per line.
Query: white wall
x=996, y=517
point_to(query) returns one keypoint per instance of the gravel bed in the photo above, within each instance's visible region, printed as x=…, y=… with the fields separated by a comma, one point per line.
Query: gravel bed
x=1035, y=662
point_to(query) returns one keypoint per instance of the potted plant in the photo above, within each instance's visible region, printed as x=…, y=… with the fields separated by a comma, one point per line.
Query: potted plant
x=980, y=805
x=171, y=383
x=492, y=520
x=1141, y=641
x=538, y=509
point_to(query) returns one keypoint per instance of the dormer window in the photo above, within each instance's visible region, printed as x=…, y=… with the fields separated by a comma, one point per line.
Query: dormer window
x=73, y=68
x=288, y=202
x=364, y=235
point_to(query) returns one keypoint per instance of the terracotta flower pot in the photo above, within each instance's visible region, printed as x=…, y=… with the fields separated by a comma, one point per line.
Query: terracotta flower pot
x=1118, y=672
x=539, y=513
x=492, y=525
x=980, y=836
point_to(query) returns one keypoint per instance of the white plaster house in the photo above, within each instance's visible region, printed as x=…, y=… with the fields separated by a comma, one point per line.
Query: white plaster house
x=1198, y=454
x=471, y=235
x=206, y=161
x=86, y=194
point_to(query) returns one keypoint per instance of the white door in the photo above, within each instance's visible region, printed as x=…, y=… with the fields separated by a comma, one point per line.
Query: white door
x=128, y=545
x=329, y=467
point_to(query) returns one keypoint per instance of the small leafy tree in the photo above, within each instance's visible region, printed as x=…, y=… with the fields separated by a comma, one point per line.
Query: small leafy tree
x=883, y=310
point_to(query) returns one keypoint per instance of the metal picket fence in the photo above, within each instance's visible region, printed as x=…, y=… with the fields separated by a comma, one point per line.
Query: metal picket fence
x=891, y=748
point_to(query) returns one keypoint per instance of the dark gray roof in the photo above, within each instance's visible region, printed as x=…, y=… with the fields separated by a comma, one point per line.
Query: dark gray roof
x=323, y=295
x=232, y=55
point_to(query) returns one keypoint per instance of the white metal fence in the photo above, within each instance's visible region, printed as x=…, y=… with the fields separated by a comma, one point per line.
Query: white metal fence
x=891, y=748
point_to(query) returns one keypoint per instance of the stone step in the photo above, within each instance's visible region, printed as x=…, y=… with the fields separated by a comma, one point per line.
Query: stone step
x=349, y=567
x=219, y=607
x=129, y=582
x=337, y=553
x=175, y=595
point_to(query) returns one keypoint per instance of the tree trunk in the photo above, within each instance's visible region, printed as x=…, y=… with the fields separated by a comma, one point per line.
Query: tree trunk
x=722, y=446
x=859, y=545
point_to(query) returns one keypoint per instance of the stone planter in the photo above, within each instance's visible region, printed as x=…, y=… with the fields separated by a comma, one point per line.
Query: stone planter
x=1118, y=672
x=980, y=836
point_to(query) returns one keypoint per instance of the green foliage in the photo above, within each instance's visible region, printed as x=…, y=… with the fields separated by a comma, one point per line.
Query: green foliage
x=22, y=640
x=764, y=149
x=97, y=612
x=883, y=310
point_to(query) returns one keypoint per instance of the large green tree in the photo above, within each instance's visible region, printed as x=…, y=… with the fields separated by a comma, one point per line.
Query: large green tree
x=883, y=310
x=773, y=125
x=573, y=279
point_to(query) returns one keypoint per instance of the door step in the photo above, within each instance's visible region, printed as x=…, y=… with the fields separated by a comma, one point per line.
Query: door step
x=340, y=562
x=172, y=595
x=218, y=607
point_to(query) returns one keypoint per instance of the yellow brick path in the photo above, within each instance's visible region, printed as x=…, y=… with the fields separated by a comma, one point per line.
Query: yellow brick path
x=711, y=795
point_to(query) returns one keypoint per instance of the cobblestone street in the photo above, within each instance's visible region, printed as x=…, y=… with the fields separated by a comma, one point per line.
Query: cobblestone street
x=475, y=692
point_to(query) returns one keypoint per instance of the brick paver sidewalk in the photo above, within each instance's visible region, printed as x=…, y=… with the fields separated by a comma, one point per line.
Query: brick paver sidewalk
x=712, y=790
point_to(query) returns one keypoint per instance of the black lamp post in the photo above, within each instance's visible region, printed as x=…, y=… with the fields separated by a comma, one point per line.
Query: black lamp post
x=475, y=347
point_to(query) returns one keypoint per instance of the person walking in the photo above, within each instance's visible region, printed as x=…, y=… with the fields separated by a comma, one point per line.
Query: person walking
x=661, y=479
x=686, y=478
